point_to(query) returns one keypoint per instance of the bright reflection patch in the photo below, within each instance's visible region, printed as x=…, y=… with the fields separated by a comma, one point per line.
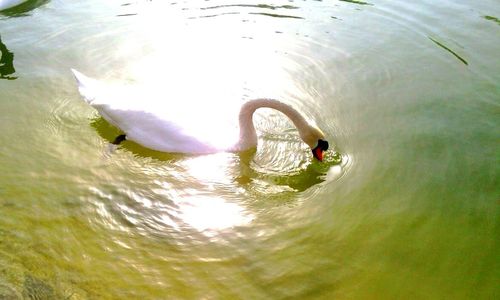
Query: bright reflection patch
x=194, y=59
x=211, y=215
x=208, y=169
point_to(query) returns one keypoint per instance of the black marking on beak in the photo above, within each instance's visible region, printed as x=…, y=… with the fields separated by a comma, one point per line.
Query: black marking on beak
x=319, y=149
x=323, y=144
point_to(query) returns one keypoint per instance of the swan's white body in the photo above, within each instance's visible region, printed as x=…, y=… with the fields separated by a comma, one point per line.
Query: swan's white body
x=5, y=4
x=144, y=124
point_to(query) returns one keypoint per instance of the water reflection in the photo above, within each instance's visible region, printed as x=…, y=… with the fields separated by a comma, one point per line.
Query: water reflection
x=297, y=179
x=357, y=2
x=449, y=50
x=211, y=215
x=6, y=62
x=223, y=9
x=213, y=168
x=277, y=15
x=491, y=18
x=168, y=211
x=264, y=6
x=19, y=8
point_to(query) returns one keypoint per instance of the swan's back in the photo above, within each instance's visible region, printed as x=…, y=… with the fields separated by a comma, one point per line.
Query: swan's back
x=145, y=117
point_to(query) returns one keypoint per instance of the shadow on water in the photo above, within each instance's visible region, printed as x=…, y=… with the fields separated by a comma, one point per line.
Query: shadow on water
x=15, y=8
x=6, y=62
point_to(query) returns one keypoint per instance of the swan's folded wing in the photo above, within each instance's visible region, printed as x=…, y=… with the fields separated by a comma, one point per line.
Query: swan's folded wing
x=147, y=118
x=154, y=132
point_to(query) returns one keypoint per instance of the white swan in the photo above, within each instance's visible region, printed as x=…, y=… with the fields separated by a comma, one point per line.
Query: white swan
x=5, y=4
x=153, y=129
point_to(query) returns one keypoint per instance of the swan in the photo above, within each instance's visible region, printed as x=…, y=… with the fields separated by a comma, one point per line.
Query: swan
x=156, y=130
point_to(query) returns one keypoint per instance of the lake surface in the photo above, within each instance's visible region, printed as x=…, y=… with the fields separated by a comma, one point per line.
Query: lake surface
x=406, y=205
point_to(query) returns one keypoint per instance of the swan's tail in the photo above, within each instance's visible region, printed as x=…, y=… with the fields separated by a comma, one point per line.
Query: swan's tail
x=87, y=86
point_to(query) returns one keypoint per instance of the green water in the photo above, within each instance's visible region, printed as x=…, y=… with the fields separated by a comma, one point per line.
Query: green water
x=406, y=205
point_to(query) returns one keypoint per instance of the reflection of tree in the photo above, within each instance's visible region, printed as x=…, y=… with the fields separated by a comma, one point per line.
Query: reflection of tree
x=6, y=62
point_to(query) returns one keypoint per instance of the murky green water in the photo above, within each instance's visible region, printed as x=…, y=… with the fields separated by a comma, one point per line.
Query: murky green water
x=406, y=206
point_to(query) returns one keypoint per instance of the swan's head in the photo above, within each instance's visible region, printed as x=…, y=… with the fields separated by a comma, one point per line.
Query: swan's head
x=315, y=138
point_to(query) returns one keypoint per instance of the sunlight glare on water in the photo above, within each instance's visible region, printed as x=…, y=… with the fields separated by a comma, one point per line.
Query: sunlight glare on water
x=404, y=205
x=211, y=215
x=180, y=53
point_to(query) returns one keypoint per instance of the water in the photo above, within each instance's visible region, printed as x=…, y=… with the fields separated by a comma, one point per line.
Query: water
x=406, y=205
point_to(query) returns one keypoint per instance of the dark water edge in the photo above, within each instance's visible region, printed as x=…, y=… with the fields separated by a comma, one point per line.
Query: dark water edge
x=491, y=18
x=23, y=9
x=449, y=50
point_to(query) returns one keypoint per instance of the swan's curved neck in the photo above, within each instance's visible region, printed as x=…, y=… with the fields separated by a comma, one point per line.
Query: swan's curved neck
x=248, y=135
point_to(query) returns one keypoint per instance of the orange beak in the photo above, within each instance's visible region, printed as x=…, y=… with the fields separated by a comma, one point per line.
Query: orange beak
x=318, y=153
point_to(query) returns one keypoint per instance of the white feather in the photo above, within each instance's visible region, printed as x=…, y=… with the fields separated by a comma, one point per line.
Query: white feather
x=167, y=130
